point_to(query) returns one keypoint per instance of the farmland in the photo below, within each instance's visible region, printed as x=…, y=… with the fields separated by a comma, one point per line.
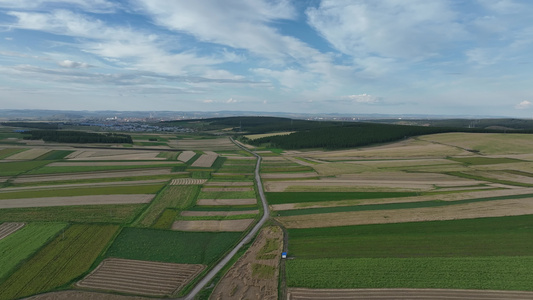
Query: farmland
x=439, y=211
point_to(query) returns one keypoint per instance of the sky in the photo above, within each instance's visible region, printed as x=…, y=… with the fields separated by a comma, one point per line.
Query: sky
x=438, y=57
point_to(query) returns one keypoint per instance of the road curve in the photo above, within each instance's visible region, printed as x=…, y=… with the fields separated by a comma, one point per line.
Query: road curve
x=266, y=214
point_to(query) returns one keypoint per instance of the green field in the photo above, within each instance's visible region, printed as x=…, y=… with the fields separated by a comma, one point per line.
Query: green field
x=54, y=155
x=303, y=197
x=71, y=192
x=10, y=151
x=503, y=236
x=178, y=197
x=172, y=246
x=20, y=245
x=495, y=273
x=67, y=257
x=113, y=213
x=19, y=167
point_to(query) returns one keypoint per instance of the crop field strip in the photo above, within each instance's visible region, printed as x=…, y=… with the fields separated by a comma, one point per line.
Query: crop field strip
x=185, y=156
x=92, y=175
x=28, y=154
x=394, y=294
x=113, y=163
x=82, y=191
x=6, y=152
x=188, y=181
x=140, y=277
x=76, y=200
x=223, y=202
x=172, y=246
x=81, y=185
x=192, y=213
x=17, y=247
x=62, y=260
x=213, y=225
x=443, y=254
x=8, y=228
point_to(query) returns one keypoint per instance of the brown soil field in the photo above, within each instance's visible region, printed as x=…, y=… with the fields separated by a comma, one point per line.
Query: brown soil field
x=397, y=180
x=486, y=143
x=9, y=228
x=190, y=213
x=28, y=154
x=274, y=158
x=99, y=184
x=248, y=201
x=228, y=183
x=497, y=208
x=97, y=154
x=205, y=161
x=92, y=175
x=240, y=282
x=140, y=277
x=224, y=174
x=83, y=295
x=262, y=135
x=185, y=156
x=188, y=181
x=288, y=175
x=502, y=175
x=442, y=197
x=394, y=294
x=242, y=157
x=106, y=164
x=212, y=225
x=410, y=148
x=227, y=189
x=217, y=144
x=77, y=200
x=300, y=162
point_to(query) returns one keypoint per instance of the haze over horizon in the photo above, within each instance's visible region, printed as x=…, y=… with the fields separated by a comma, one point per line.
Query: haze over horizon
x=439, y=57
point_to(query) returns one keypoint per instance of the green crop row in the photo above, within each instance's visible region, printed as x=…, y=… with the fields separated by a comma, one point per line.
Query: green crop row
x=174, y=196
x=54, y=155
x=302, y=197
x=21, y=244
x=67, y=257
x=113, y=213
x=495, y=273
x=234, y=217
x=172, y=246
x=499, y=236
x=71, y=192
x=166, y=219
x=19, y=167
x=485, y=160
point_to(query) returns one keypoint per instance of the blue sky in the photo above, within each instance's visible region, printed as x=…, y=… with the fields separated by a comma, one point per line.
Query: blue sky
x=438, y=57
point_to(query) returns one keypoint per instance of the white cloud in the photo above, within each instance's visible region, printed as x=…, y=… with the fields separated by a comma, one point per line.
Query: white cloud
x=72, y=64
x=399, y=29
x=523, y=105
x=362, y=98
x=231, y=100
x=88, y=5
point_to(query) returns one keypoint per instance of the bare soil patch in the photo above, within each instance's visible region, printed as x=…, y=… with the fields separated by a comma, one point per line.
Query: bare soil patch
x=83, y=295
x=185, y=156
x=288, y=175
x=240, y=282
x=98, y=154
x=212, y=225
x=107, y=164
x=188, y=181
x=140, y=277
x=205, y=161
x=77, y=200
x=247, y=201
x=28, y=154
x=99, y=184
x=190, y=213
x=394, y=294
x=217, y=144
x=497, y=208
x=91, y=175
x=9, y=228
x=230, y=183
x=227, y=189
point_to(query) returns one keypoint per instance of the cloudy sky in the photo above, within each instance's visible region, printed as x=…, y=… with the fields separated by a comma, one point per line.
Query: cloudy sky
x=451, y=57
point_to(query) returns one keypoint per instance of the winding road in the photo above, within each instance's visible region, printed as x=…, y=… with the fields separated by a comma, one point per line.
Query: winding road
x=266, y=214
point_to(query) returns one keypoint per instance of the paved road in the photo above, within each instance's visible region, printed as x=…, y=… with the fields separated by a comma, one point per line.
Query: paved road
x=202, y=283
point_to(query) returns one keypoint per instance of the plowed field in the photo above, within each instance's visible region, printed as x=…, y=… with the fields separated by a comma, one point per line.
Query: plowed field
x=8, y=228
x=188, y=181
x=140, y=277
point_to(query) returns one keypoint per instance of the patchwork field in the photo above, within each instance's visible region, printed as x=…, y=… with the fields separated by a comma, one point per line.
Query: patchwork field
x=212, y=225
